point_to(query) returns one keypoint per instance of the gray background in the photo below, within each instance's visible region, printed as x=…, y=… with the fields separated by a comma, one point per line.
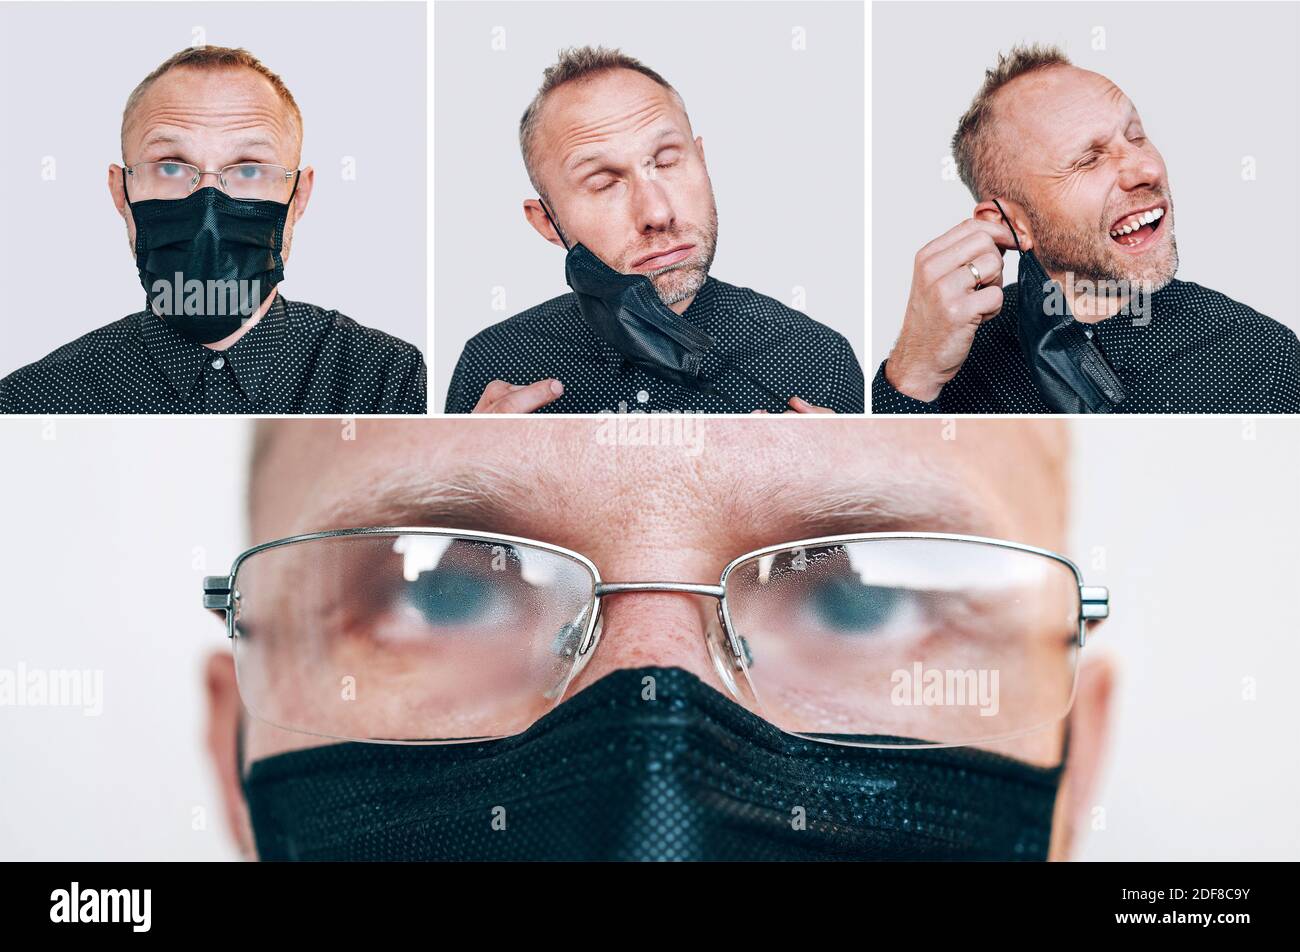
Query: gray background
x=357, y=71
x=1213, y=82
x=1192, y=524
x=783, y=136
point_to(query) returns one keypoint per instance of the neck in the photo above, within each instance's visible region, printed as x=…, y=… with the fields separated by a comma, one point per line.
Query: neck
x=228, y=342
x=1086, y=305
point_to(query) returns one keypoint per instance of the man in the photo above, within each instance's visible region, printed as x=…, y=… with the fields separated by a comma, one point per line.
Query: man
x=1061, y=169
x=210, y=192
x=650, y=745
x=623, y=187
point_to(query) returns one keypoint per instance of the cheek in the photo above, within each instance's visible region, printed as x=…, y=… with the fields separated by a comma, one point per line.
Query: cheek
x=696, y=185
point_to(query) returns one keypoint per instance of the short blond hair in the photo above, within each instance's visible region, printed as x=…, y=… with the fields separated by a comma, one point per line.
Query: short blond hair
x=211, y=58
x=983, y=167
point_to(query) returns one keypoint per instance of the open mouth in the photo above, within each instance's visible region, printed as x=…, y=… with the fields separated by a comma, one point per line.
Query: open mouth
x=1138, y=229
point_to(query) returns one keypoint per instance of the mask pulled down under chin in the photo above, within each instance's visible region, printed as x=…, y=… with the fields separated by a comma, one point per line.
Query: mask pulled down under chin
x=607, y=775
x=626, y=311
x=1066, y=366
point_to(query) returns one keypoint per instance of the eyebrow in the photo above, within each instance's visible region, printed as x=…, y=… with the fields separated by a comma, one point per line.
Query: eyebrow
x=600, y=155
x=481, y=498
x=488, y=498
x=242, y=142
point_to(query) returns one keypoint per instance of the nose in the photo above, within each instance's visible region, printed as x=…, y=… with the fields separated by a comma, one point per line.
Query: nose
x=654, y=629
x=1141, y=169
x=653, y=209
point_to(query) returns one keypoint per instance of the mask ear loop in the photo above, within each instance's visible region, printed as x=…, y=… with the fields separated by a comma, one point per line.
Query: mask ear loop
x=1014, y=236
x=559, y=233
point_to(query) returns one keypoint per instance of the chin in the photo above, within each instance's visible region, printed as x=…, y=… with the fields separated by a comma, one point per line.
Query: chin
x=1155, y=274
x=679, y=283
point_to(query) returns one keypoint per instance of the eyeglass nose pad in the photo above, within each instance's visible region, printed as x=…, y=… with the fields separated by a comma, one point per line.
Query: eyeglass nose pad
x=583, y=657
x=724, y=659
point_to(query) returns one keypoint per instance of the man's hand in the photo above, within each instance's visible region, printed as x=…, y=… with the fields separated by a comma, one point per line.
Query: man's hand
x=945, y=308
x=502, y=397
x=800, y=405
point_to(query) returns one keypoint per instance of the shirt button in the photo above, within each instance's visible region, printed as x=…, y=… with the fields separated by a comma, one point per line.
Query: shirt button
x=642, y=396
x=218, y=363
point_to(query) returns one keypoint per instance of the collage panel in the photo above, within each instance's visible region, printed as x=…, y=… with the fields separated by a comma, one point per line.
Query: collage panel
x=173, y=169
x=404, y=639
x=639, y=212
x=1051, y=208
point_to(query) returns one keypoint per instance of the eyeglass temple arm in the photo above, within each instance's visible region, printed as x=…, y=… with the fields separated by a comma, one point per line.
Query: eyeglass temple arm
x=1094, y=601
x=219, y=596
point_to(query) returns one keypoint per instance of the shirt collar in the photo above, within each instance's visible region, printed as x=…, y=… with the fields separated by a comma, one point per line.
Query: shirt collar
x=181, y=360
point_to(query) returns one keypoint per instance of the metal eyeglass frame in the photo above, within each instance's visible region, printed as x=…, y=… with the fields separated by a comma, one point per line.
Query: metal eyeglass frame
x=219, y=173
x=221, y=595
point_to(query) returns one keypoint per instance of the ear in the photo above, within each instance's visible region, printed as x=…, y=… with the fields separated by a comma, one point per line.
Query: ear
x=224, y=714
x=537, y=217
x=987, y=211
x=306, y=180
x=699, y=146
x=117, y=192
x=1089, y=723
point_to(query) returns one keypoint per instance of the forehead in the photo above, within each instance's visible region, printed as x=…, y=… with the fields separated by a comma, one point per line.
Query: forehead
x=603, y=107
x=728, y=485
x=1053, y=106
x=192, y=102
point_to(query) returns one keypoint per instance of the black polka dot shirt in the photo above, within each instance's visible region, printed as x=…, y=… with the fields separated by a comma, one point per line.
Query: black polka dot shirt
x=765, y=353
x=297, y=359
x=1201, y=352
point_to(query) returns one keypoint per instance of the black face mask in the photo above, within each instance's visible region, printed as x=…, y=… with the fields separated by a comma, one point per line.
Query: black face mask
x=626, y=311
x=607, y=775
x=1066, y=366
x=209, y=237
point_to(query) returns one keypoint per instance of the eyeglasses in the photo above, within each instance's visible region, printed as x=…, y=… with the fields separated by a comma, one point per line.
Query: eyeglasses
x=421, y=635
x=175, y=180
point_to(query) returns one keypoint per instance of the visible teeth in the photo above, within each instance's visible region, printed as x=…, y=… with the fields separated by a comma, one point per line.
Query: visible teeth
x=1137, y=221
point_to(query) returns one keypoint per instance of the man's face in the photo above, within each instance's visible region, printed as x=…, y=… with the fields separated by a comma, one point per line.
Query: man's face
x=1077, y=151
x=627, y=180
x=664, y=512
x=211, y=119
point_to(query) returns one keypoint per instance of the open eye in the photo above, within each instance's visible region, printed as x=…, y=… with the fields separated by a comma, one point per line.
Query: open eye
x=451, y=596
x=171, y=170
x=844, y=604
